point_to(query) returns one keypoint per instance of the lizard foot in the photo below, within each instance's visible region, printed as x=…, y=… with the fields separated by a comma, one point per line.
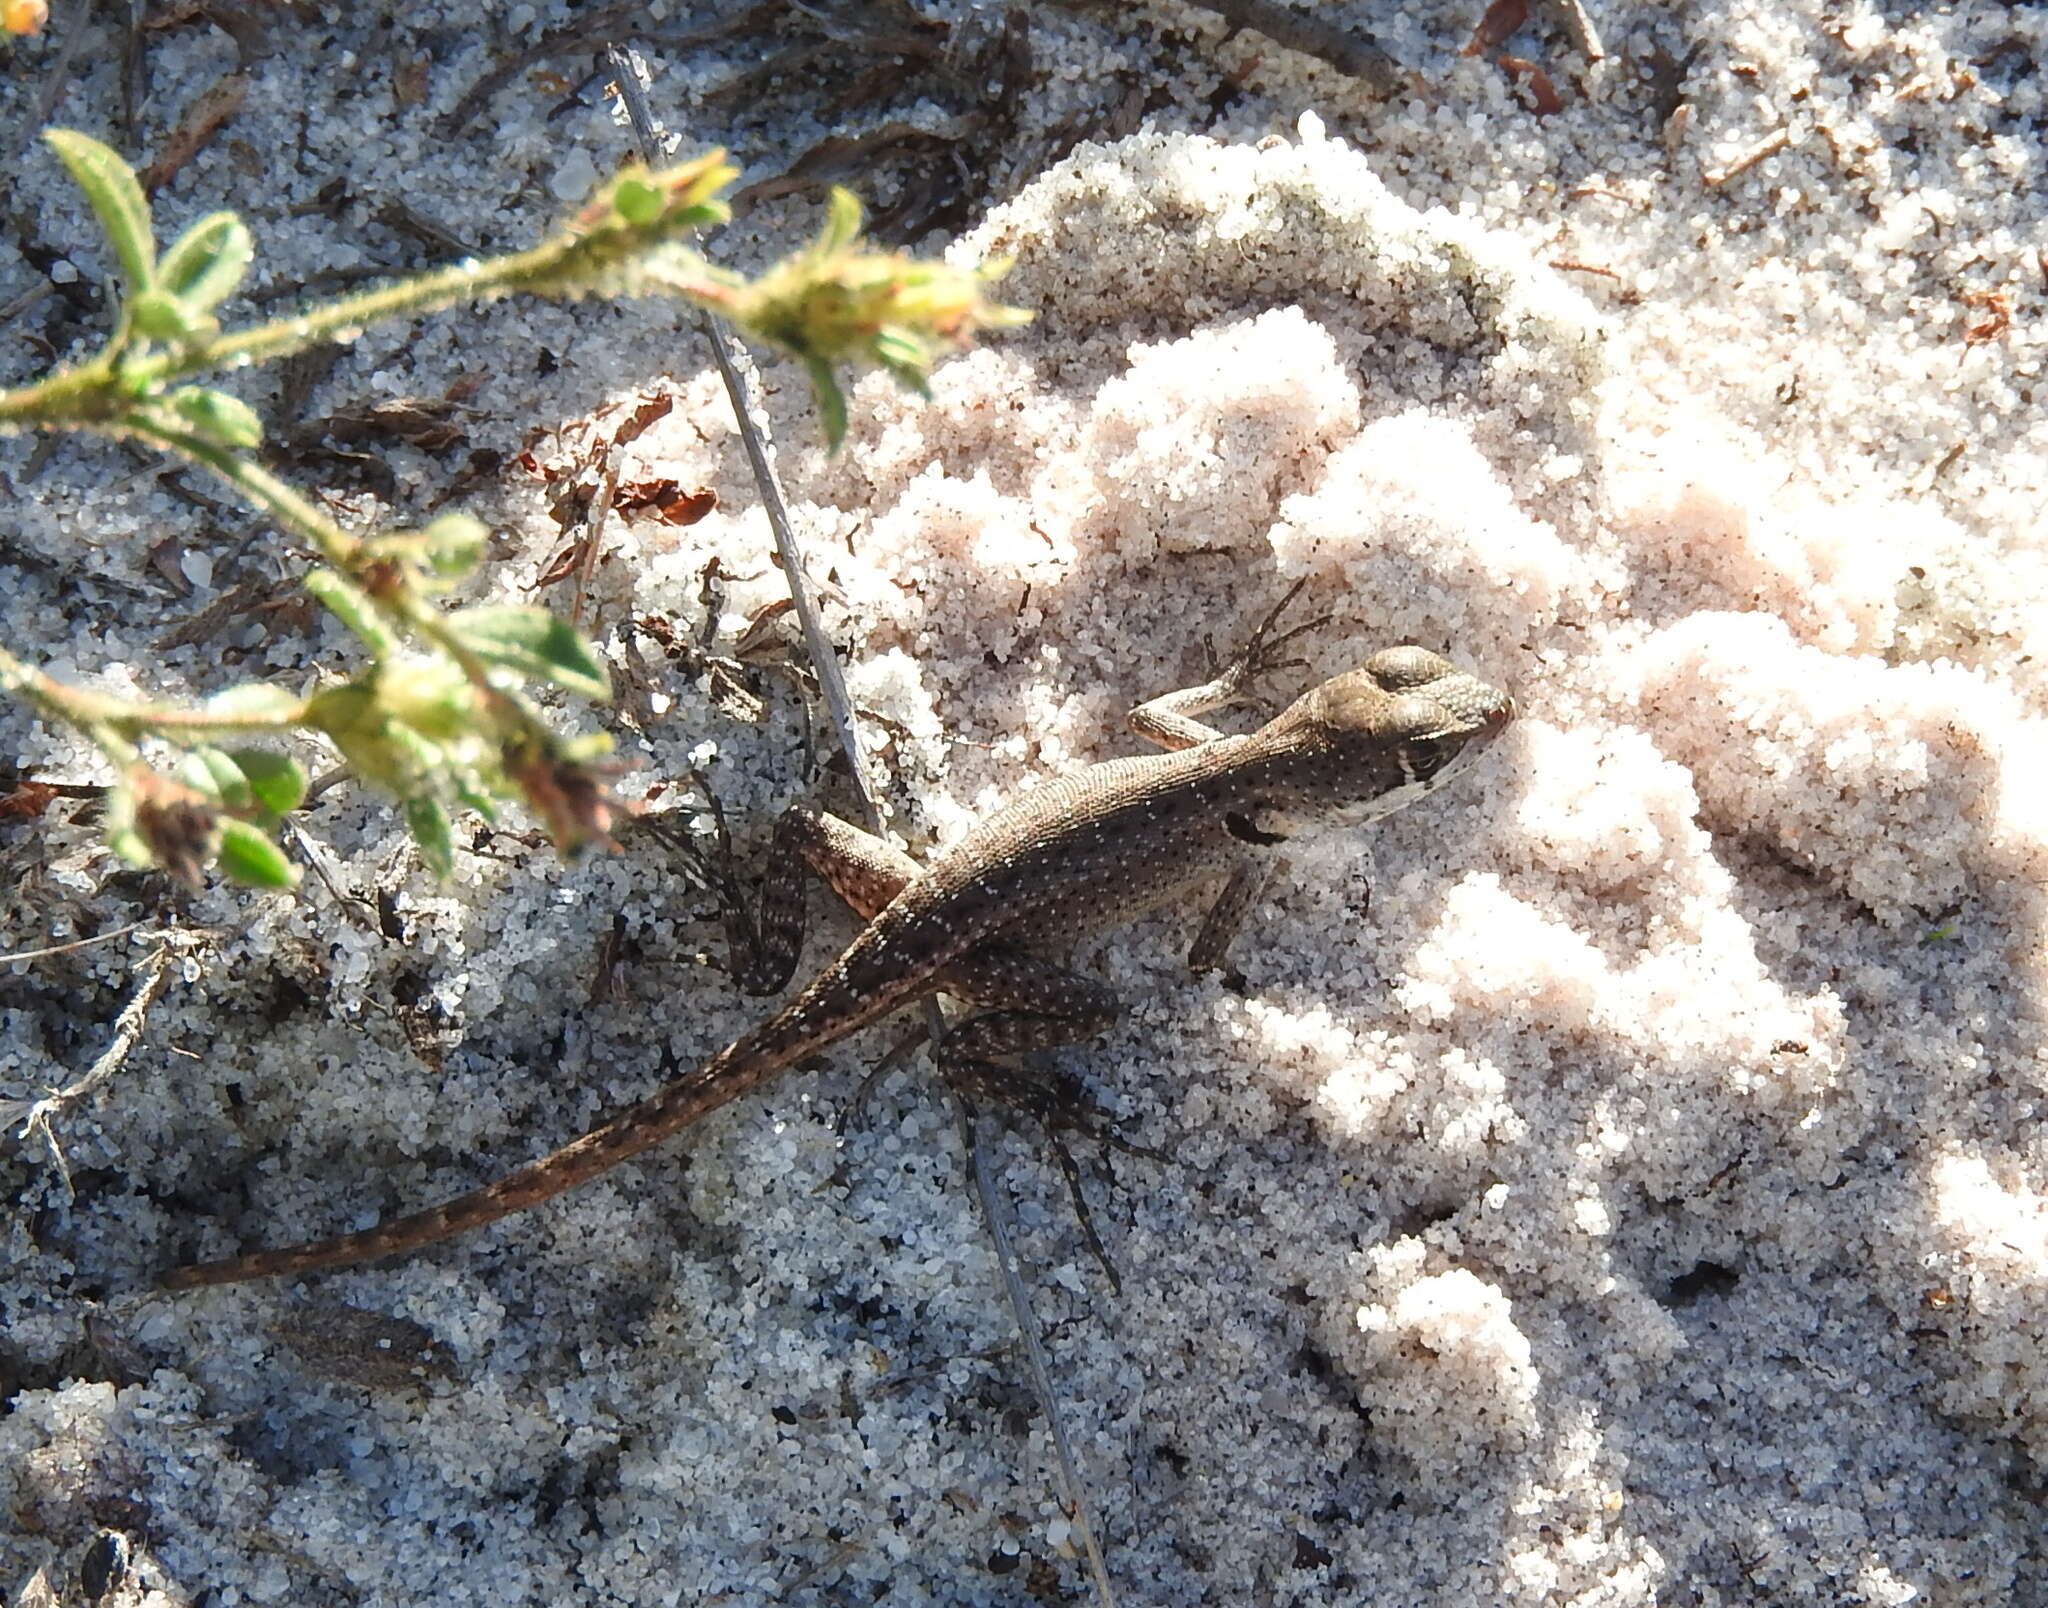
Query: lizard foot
x=1260, y=655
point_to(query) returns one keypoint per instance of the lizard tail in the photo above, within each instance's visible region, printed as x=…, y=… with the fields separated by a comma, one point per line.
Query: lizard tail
x=577, y=1162
x=760, y=1054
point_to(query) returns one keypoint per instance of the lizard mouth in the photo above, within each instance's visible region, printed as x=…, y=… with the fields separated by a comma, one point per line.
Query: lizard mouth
x=1497, y=719
x=1484, y=712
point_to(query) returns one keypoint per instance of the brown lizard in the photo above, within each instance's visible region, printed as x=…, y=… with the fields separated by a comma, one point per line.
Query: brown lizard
x=985, y=921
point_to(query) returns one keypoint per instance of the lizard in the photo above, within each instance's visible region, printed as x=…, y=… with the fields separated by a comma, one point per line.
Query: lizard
x=987, y=920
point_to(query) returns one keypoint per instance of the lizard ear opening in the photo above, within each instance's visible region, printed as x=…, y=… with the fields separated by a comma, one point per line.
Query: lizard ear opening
x=1246, y=829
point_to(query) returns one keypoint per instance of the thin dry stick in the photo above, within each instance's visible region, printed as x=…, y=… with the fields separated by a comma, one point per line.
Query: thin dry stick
x=826, y=663
x=76, y=943
x=594, y=524
x=996, y=1214
x=1576, y=21
x=819, y=646
x=831, y=684
x=1346, y=49
x=35, y=1116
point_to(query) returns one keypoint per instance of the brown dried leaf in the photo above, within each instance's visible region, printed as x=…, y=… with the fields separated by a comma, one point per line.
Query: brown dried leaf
x=764, y=629
x=666, y=500
x=614, y=958
x=207, y=623
x=731, y=695
x=204, y=118
x=663, y=630
x=1501, y=21
x=346, y=466
x=563, y=563
x=164, y=559
x=27, y=801
x=1999, y=309
x=571, y=797
x=1543, y=93
x=429, y=423
x=409, y=82
x=354, y=1347
x=629, y=420
x=179, y=827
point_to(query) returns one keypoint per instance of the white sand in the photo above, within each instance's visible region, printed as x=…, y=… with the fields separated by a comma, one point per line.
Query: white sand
x=1639, y=1200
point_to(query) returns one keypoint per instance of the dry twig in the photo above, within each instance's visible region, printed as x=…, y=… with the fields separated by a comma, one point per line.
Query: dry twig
x=36, y=1116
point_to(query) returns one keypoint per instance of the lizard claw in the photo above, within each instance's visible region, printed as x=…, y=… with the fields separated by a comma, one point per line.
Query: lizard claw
x=1260, y=655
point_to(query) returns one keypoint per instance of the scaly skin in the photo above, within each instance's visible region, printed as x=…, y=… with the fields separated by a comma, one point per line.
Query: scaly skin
x=1088, y=852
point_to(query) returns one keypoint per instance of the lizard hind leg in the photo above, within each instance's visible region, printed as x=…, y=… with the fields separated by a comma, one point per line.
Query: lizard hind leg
x=1034, y=1005
x=1028, y=1003
x=766, y=939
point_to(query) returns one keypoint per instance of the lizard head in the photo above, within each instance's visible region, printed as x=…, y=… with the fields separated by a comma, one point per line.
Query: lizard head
x=1376, y=739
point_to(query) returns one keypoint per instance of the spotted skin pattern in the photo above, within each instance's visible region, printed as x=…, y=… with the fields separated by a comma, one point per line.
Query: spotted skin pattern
x=988, y=919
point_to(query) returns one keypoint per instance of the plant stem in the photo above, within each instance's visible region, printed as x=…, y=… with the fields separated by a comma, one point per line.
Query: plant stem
x=289, y=507
x=112, y=721
x=564, y=264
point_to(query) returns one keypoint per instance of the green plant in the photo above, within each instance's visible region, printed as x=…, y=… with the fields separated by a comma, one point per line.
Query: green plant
x=439, y=717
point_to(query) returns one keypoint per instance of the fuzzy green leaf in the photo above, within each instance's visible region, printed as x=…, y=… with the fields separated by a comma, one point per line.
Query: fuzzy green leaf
x=831, y=401
x=256, y=702
x=431, y=695
x=343, y=710
x=535, y=644
x=638, y=202
x=433, y=832
x=906, y=357
x=117, y=201
x=214, y=775
x=122, y=837
x=455, y=544
x=226, y=420
x=277, y=781
x=160, y=316
x=249, y=857
x=842, y=222
x=208, y=261
x=382, y=752
x=587, y=749
x=351, y=605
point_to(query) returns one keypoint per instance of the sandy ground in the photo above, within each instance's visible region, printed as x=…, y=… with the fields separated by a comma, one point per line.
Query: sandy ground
x=1637, y=1199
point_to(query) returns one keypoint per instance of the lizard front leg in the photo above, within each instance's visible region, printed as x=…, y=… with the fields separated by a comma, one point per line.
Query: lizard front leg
x=1220, y=926
x=1170, y=720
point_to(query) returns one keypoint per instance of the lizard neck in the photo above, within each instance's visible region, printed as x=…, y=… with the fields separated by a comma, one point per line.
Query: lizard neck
x=1297, y=786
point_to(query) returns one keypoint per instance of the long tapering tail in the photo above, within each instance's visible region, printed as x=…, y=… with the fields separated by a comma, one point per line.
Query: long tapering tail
x=786, y=1038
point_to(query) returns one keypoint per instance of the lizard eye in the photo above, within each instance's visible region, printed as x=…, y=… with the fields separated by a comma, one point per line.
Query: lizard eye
x=1423, y=757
